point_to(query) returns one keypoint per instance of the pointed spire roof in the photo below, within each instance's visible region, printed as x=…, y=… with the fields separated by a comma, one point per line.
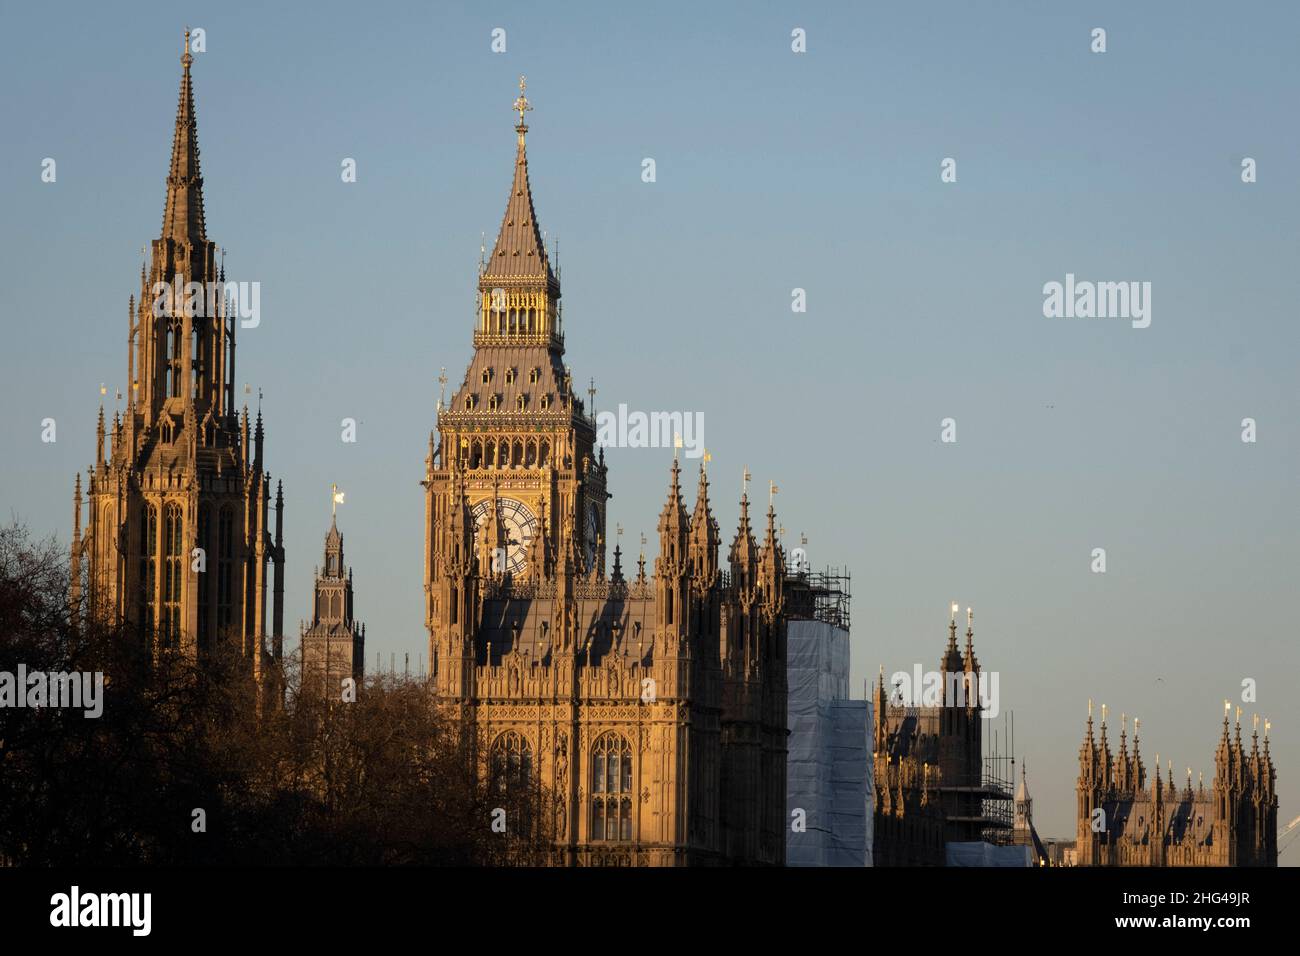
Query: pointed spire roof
x=183, y=211
x=743, y=547
x=1022, y=791
x=617, y=576
x=951, y=662
x=674, y=507
x=519, y=252
x=970, y=662
x=702, y=511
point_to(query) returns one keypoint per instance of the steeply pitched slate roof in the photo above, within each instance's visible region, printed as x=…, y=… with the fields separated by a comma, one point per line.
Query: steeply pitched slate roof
x=519, y=251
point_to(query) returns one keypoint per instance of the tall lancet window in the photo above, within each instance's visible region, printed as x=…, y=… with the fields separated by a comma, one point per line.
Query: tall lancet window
x=203, y=540
x=148, y=567
x=196, y=360
x=173, y=359
x=225, y=566
x=173, y=573
x=611, y=789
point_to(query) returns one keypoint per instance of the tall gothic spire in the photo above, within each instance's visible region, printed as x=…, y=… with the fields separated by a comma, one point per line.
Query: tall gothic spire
x=183, y=211
x=519, y=252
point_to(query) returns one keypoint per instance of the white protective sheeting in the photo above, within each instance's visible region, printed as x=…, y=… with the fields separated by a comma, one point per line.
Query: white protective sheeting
x=986, y=854
x=829, y=761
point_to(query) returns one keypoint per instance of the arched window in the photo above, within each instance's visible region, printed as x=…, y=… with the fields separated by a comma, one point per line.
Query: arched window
x=611, y=789
x=196, y=360
x=203, y=540
x=148, y=567
x=172, y=575
x=225, y=566
x=512, y=763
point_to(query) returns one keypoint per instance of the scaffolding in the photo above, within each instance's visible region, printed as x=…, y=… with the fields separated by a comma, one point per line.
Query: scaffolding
x=819, y=596
x=997, y=790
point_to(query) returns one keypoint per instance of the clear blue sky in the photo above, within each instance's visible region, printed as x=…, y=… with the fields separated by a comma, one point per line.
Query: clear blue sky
x=775, y=171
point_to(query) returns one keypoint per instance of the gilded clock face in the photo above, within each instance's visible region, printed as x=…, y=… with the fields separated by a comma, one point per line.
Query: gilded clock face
x=517, y=525
x=589, y=538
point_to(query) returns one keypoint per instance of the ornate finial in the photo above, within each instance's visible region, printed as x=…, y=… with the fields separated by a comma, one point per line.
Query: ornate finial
x=1137, y=723
x=952, y=619
x=1268, y=725
x=744, y=481
x=704, y=464
x=522, y=105
x=1239, y=716
x=442, y=388
x=336, y=499
x=954, y=608
x=1103, y=715
x=970, y=619
x=772, y=492
x=186, y=58
x=591, y=396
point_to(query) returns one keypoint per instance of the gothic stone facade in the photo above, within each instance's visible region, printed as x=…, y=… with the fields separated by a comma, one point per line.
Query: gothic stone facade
x=177, y=542
x=653, y=710
x=929, y=766
x=334, y=644
x=1124, y=821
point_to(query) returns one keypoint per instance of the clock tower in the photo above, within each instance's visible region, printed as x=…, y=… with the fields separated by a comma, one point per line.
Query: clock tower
x=514, y=430
x=641, y=719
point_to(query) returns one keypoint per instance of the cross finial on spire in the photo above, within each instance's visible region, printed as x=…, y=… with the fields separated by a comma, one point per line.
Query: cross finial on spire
x=522, y=105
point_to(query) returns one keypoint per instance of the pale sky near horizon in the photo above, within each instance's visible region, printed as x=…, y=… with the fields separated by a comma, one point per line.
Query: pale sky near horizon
x=775, y=171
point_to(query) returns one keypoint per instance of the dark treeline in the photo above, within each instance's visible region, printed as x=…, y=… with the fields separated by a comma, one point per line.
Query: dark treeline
x=384, y=780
